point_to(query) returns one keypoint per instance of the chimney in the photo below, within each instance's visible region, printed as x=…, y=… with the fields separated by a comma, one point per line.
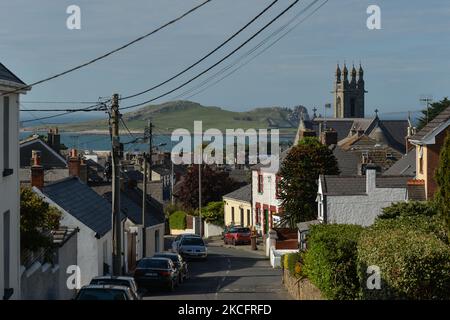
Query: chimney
x=329, y=137
x=37, y=170
x=83, y=171
x=56, y=145
x=371, y=176
x=50, y=137
x=74, y=163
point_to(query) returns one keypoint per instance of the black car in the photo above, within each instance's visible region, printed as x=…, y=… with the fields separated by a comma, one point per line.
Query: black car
x=105, y=292
x=179, y=263
x=151, y=272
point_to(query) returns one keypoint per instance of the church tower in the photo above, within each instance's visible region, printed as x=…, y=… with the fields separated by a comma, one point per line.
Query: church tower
x=349, y=95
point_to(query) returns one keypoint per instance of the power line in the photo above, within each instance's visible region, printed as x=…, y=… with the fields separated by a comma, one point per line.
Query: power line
x=205, y=56
x=248, y=53
x=58, y=102
x=110, y=52
x=217, y=63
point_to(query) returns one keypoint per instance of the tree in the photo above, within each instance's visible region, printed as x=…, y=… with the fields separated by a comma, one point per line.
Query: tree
x=433, y=110
x=37, y=219
x=213, y=213
x=215, y=184
x=299, y=173
x=442, y=197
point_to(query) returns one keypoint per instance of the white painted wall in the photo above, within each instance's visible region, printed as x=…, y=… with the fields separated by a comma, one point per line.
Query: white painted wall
x=212, y=230
x=151, y=246
x=9, y=197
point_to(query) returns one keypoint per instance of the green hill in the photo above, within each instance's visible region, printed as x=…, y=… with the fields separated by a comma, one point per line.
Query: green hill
x=182, y=114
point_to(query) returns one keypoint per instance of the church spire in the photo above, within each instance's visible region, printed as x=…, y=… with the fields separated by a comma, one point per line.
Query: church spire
x=338, y=73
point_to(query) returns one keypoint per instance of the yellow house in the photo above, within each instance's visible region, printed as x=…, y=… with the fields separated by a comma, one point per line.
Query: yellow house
x=238, y=207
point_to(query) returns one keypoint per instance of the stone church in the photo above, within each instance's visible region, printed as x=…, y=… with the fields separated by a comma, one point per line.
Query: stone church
x=349, y=95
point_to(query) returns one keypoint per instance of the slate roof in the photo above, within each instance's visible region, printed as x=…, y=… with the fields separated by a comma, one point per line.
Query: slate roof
x=83, y=203
x=49, y=157
x=241, y=194
x=356, y=185
x=433, y=124
x=347, y=161
x=7, y=75
x=131, y=205
x=406, y=166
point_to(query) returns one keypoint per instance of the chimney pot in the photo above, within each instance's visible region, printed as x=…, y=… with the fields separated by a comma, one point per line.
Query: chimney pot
x=37, y=170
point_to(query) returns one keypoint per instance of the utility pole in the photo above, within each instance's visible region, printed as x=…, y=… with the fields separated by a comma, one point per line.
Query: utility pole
x=200, y=190
x=116, y=221
x=144, y=207
x=150, y=148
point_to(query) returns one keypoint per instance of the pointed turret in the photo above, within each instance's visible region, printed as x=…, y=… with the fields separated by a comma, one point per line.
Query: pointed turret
x=338, y=73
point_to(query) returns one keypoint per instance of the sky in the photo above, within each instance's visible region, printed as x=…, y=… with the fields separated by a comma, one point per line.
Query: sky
x=408, y=57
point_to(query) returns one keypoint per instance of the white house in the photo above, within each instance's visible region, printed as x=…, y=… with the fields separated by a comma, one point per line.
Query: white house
x=358, y=199
x=84, y=209
x=9, y=184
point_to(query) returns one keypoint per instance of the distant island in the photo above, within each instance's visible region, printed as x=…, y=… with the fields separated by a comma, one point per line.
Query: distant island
x=181, y=114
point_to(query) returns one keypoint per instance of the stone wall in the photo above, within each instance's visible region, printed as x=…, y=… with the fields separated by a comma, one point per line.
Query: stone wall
x=300, y=289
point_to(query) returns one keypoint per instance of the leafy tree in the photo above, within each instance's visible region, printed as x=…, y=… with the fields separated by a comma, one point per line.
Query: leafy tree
x=215, y=184
x=37, y=218
x=404, y=209
x=442, y=197
x=299, y=173
x=433, y=110
x=213, y=213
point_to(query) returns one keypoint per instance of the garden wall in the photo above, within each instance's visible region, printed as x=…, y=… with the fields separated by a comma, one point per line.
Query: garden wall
x=301, y=289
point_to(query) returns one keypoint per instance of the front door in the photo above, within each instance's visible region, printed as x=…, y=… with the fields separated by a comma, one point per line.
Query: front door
x=266, y=221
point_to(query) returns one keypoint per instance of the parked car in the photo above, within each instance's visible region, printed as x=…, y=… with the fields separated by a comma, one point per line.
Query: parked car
x=156, y=272
x=237, y=235
x=179, y=263
x=192, y=248
x=176, y=242
x=105, y=292
x=118, y=281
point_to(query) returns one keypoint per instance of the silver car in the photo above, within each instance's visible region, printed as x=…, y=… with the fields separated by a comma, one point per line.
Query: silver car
x=192, y=248
x=176, y=243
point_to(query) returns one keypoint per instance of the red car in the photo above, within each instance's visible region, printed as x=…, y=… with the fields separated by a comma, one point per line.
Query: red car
x=237, y=235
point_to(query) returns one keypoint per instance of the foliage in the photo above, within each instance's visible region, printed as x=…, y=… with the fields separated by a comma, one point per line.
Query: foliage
x=413, y=264
x=411, y=208
x=177, y=220
x=442, y=197
x=171, y=208
x=330, y=260
x=299, y=173
x=37, y=219
x=433, y=110
x=215, y=184
x=292, y=262
x=213, y=213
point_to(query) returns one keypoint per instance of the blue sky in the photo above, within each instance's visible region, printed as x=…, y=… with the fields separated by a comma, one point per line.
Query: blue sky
x=408, y=57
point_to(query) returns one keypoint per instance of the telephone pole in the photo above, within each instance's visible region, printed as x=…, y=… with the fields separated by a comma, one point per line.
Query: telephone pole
x=116, y=221
x=144, y=207
x=150, y=148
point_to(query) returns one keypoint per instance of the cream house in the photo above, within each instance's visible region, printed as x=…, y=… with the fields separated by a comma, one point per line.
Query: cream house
x=9, y=184
x=238, y=207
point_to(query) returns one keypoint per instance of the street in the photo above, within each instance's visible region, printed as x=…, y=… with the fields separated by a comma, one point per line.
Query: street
x=228, y=273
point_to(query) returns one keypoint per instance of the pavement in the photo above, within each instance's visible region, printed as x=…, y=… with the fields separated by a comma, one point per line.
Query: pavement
x=229, y=273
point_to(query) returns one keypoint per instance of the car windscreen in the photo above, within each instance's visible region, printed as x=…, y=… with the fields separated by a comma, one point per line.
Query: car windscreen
x=117, y=282
x=242, y=230
x=172, y=257
x=153, y=264
x=192, y=242
x=101, y=294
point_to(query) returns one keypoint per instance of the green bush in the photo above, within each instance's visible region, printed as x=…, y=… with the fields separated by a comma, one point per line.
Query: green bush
x=290, y=261
x=414, y=264
x=411, y=208
x=177, y=220
x=330, y=260
x=213, y=213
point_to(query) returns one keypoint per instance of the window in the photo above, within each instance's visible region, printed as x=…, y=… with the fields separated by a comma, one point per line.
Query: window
x=156, y=240
x=232, y=214
x=277, y=188
x=249, y=223
x=6, y=169
x=242, y=217
x=421, y=159
x=260, y=183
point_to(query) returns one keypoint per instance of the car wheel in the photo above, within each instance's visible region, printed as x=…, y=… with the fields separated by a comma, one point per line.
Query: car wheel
x=180, y=279
x=171, y=286
x=224, y=241
x=233, y=242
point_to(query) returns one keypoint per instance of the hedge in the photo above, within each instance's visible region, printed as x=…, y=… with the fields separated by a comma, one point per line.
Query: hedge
x=177, y=220
x=291, y=261
x=330, y=261
x=413, y=263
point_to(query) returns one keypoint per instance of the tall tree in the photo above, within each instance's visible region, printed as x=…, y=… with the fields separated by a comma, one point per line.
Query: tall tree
x=442, y=197
x=433, y=110
x=37, y=218
x=299, y=173
x=215, y=184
